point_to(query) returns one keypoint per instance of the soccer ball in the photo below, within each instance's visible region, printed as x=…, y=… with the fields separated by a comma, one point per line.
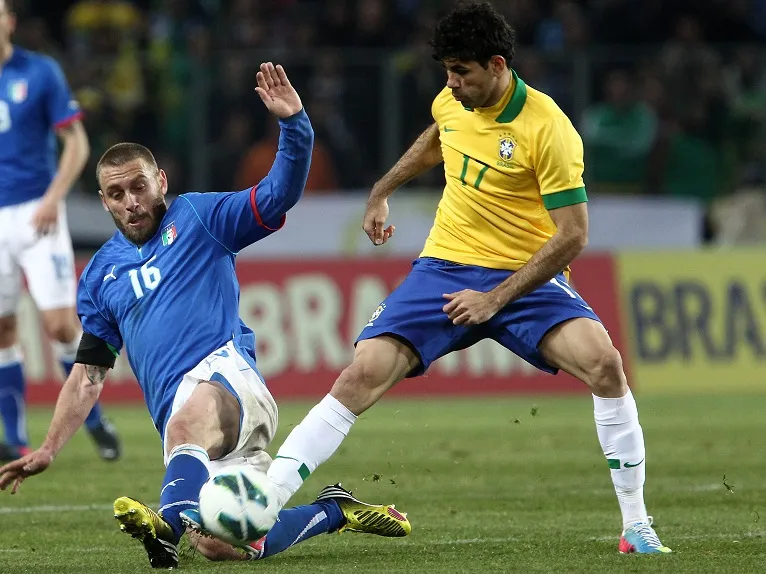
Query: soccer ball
x=233, y=505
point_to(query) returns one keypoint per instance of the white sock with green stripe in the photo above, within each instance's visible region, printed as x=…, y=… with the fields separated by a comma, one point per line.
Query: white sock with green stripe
x=622, y=440
x=309, y=444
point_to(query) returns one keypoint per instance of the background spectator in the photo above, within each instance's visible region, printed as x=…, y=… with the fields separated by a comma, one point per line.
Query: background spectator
x=618, y=134
x=670, y=97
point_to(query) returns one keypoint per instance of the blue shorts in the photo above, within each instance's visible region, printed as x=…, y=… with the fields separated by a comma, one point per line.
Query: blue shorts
x=413, y=312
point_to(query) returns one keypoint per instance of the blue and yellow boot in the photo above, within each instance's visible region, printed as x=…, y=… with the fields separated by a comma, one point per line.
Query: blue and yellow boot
x=640, y=538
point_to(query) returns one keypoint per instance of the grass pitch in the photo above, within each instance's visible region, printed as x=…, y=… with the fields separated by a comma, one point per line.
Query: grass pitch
x=502, y=485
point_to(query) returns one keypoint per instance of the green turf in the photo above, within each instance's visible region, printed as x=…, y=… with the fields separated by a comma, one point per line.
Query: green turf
x=489, y=487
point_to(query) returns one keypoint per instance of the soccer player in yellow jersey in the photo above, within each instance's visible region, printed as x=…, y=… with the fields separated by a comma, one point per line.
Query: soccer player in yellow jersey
x=512, y=218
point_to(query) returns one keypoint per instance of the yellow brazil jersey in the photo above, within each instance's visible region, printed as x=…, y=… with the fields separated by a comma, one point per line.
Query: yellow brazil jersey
x=505, y=166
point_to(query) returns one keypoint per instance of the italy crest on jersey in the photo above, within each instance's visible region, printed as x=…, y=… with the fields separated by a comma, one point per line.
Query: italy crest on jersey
x=17, y=91
x=505, y=148
x=169, y=234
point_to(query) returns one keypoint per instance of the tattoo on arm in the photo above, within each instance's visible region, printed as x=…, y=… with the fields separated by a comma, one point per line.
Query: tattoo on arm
x=96, y=375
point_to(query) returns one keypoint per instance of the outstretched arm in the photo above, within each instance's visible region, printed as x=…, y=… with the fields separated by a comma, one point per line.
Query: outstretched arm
x=238, y=219
x=76, y=399
x=284, y=184
x=422, y=155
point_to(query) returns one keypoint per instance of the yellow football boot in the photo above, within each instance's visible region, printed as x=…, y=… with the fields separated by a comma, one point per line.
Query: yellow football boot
x=380, y=519
x=145, y=525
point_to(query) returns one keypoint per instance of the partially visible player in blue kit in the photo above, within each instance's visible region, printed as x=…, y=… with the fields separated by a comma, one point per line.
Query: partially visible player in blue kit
x=36, y=108
x=164, y=287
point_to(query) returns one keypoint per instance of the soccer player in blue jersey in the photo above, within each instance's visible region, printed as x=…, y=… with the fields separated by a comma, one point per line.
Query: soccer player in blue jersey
x=35, y=107
x=164, y=287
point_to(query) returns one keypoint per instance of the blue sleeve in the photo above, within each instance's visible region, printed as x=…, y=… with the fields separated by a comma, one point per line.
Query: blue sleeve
x=60, y=107
x=230, y=217
x=283, y=185
x=239, y=218
x=96, y=321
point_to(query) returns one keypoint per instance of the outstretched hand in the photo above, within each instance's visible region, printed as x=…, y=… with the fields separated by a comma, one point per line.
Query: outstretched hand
x=17, y=471
x=276, y=91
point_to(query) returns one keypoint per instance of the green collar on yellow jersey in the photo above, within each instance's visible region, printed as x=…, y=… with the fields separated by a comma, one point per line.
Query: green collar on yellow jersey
x=517, y=100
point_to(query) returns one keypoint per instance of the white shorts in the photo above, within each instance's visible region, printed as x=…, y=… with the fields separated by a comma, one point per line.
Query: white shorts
x=258, y=417
x=47, y=261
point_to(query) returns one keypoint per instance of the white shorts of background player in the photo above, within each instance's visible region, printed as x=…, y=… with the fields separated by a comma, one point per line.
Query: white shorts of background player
x=46, y=261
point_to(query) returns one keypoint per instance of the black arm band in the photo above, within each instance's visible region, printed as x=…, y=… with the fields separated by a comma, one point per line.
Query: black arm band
x=96, y=352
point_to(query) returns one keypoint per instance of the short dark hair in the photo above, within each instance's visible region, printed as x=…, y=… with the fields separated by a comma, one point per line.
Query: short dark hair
x=122, y=153
x=473, y=31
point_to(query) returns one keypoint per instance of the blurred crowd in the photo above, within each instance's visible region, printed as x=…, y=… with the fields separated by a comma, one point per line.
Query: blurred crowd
x=670, y=97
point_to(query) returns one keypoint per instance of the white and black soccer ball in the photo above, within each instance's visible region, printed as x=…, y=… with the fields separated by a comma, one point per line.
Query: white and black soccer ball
x=233, y=505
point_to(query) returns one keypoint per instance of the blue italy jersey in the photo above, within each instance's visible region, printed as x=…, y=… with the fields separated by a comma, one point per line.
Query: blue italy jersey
x=175, y=300
x=34, y=100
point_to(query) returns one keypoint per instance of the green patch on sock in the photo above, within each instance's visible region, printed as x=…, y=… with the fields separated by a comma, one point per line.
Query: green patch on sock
x=303, y=470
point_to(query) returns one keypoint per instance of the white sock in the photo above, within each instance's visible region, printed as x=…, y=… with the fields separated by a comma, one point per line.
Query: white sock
x=622, y=441
x=189, y=449
x=309, y=444
x=11, y=355
x=67, y=351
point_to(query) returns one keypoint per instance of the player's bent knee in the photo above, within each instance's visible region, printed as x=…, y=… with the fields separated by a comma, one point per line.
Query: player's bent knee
x=183, y=429
x=363, y=374
x=8, y=333
x=61, y=333
x=358, y=387
x=377, y=366
x=209, y=419
x=60, y=327
x=605, y=375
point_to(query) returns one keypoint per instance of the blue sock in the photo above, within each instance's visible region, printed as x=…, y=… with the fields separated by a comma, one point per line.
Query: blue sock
x=94, y=416
x=93, y=420
x=12, y=405
x=66, y=365
x=185, y=474
x=300, y=523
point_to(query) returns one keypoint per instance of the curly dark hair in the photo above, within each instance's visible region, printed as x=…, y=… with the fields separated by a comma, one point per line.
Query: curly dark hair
x=473, y=31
